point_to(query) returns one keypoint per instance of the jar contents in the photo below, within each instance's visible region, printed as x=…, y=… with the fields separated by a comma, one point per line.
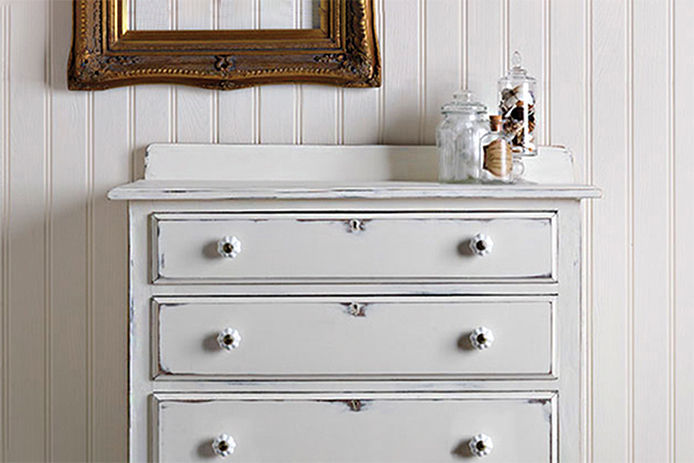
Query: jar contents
x=497, y=154
x=458, y=138
x=517, y=107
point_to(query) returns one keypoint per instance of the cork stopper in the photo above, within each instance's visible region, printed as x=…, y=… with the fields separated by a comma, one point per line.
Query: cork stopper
x=495, y=122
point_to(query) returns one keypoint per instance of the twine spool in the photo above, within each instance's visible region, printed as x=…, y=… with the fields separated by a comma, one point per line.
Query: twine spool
x=498, y=158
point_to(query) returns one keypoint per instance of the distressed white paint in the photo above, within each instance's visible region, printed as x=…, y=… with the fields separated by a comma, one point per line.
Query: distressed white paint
x=354, y=337
x=389, y=247
x=385, y=429
x=325, y=247
x=594, y=95
x=553, y=165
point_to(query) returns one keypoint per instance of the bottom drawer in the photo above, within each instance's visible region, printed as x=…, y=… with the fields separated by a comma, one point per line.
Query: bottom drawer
x=377, y=427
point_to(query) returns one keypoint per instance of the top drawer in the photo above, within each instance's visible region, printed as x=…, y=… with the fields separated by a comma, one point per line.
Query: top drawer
x=355, y=247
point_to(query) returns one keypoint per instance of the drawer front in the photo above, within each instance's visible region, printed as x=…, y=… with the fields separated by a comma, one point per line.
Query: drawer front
x=359, y=247
x=355, y=429
x=380, y=337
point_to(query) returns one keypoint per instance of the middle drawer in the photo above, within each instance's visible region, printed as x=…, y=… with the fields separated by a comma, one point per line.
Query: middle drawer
x=372, y=337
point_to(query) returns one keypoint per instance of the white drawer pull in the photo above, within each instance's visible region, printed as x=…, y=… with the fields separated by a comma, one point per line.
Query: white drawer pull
x=229, y=339
x=223, y=445
x=481, y=445
x=482, y=338
x=481, y=244
x=229, y=246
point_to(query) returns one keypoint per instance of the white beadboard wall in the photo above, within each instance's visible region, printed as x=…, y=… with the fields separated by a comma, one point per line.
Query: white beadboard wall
x=615, y=86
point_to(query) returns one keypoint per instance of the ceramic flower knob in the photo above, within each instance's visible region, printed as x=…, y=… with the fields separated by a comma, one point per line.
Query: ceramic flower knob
x=229, y=339
x=229, y=246
x=223, y=445
x=481, y=244
x=481, y=445
x=482, y=338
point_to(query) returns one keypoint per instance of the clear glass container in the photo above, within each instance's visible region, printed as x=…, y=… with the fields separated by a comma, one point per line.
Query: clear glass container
x=497, y=156
x=517, y=107
x=458, y=138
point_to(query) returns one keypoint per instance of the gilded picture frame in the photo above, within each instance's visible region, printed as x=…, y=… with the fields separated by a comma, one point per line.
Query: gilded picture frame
x=105, y=53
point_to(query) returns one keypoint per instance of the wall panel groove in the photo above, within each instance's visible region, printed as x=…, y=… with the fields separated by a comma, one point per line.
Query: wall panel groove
x=672, y=239
x=588, y=225
x=89, y=294
x=630, y=224
x=5, y=227
x=546, y=69
x=48, y=234
x=682, y=63
x=463, y=39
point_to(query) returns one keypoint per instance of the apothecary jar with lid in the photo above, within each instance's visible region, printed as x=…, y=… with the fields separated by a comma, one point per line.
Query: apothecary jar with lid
x=458, y=136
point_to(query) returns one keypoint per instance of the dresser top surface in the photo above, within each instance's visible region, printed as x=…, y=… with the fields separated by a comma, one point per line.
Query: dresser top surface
x=222, y=190
x=249, y=172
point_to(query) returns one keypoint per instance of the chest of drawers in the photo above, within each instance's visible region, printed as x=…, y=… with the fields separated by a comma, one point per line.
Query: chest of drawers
x=351, y=318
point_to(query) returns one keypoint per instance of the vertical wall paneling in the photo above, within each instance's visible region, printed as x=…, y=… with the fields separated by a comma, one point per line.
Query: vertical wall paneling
x=443, y=56
x=671, y=202
x=27, y=228
x=112, y=137
x=651, y=208
x=237, y=109
x=587, y=229
x=4, y=225
x=151, y=14
x=195, y=120
x=526, y=34
x=683, y=187
x=278, y=103
x=362, y=108
x=68, y=142
x=485, y=54
x=611, y=377
x=402, y=73
x=155, y=119
x=564, y=121
x=629, y=80
x=320, y=114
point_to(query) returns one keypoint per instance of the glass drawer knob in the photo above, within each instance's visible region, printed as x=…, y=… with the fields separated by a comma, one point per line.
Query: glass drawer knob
x=229, y=246
x=481, y=244
x=482, y=338
x=223, y=445
x=229, y=339
x=481, y=445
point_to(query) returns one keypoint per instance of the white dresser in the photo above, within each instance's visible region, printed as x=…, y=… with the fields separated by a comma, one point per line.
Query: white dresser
x=328, y=304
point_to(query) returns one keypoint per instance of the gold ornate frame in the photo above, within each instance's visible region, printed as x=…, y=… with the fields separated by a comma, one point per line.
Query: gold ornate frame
x=105, y=53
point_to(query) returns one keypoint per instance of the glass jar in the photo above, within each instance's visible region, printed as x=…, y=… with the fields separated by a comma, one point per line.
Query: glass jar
x=458, y=138
x=517, y=107
x=498, y=162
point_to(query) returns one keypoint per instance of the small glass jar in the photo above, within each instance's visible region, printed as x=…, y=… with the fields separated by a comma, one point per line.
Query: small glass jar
x=498, y=161
x=497, y=157
x=458, y=138
x=517, y=107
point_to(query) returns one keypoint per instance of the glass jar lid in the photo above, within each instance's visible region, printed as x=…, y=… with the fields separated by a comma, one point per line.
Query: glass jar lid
x=464, y=101
x=517, y=72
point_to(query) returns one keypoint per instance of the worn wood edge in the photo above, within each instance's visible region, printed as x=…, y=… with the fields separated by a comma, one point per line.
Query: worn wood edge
x=204, y=190
x=534, y=395
x=161, y=374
